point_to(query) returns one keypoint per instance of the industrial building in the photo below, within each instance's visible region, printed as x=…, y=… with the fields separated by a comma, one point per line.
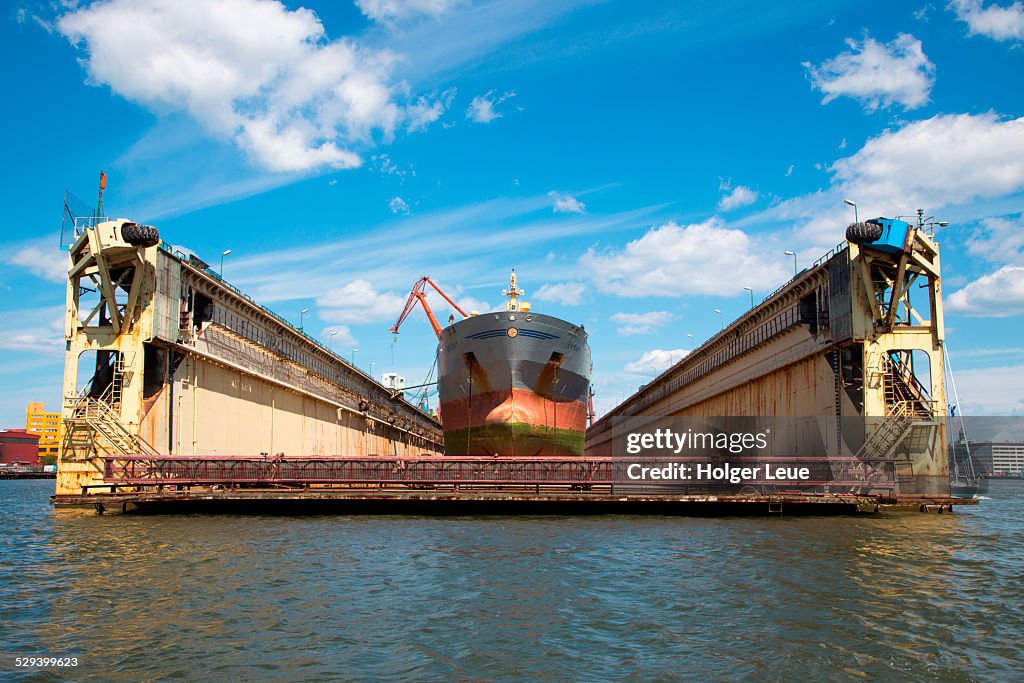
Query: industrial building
x=992, y=458
x=48, y=426
x=18, y=447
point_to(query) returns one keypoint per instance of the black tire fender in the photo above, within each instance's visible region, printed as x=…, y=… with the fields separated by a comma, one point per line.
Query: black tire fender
x=863, y=232
x=140, y=235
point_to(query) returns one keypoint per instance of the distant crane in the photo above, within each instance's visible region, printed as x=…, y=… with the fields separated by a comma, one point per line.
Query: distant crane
x=418, y=294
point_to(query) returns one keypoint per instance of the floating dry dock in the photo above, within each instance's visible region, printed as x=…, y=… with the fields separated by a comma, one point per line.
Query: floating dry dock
x=182, y=394
x=433, y=485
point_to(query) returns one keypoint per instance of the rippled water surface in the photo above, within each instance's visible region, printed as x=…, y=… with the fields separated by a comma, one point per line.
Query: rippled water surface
x=897, y=597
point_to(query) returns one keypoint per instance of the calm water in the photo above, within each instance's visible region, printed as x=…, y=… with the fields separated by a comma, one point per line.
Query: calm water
x=902, y=597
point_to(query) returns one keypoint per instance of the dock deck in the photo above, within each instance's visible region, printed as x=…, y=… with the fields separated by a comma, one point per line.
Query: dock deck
x=440, y=485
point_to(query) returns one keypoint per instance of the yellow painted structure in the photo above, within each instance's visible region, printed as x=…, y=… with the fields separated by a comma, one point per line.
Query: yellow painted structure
x=48, y=426
x=855, y=341
x=163, y=357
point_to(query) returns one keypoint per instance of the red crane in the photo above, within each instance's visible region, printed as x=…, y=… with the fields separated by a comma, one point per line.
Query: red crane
x=418, y=294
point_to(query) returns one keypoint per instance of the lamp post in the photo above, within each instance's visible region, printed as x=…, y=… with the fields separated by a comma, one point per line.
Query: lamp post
x=222, y=255
x=751, y=296
x=856, y=219
x=302, y=314
x=354, y=352
x=331, y=342
x=371, y=369
x=690, y=335
x=793, y=254
x=721, y=317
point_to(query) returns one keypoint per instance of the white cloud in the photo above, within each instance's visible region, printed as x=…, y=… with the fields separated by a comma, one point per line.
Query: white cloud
x=401, y=10
x=967, y=156
x=998, y=239
x=673, y=260
x=384, y=164
x=359, y=302
x=249, y=71
x=998, y=295
x=789, y=171
x=465, y=302
x=427, y=110
x=739, y=196
x=49, y=263
x=565, y=293
x=921, y=14
x=641, y=323
x=338, y=338
x=659, y=358
x=879, y=75
x=995, y=21
x=566, y=204
x=482, y=108
x=991, y=391
x=37, y=330
x=398, y=205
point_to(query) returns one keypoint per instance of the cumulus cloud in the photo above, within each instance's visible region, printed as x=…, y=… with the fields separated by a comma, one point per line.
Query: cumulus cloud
x=565, y=293
x=359, y=302
x=251, y=72
x=967, y=156
x=402, y=10
x=995, y=21
x=998, y=239
x=661, y=359
x=465, y=302
x=338, y=337
x=566, y=204
x=737, y=197
x=48, y=263
x=877, y=74
x=998, y=295
x=641, y=323
x=398, y=205
x=483, y=107
x=673, y=260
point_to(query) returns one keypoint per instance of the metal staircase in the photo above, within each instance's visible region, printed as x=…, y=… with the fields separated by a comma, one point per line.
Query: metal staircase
x=94, y=427
x=907, y=406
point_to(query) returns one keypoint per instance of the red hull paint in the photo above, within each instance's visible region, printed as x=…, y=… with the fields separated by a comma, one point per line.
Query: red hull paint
x=513, y=406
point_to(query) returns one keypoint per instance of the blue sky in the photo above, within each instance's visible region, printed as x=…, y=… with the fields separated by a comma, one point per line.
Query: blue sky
x=639, y=164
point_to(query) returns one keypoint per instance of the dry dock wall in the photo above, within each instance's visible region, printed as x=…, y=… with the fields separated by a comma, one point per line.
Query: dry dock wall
x=163, y=357
x=848, y=354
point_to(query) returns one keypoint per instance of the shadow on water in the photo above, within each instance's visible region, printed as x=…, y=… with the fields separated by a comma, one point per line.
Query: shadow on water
x=907, y=597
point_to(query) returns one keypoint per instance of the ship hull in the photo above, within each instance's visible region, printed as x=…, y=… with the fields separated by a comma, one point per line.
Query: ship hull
x=514, y=384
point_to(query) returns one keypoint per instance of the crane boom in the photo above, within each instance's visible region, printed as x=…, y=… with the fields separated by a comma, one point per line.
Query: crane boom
x=418, y=294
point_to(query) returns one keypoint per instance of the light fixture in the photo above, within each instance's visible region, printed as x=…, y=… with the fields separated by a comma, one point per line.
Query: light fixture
x=222, y=255
x=848, y=202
